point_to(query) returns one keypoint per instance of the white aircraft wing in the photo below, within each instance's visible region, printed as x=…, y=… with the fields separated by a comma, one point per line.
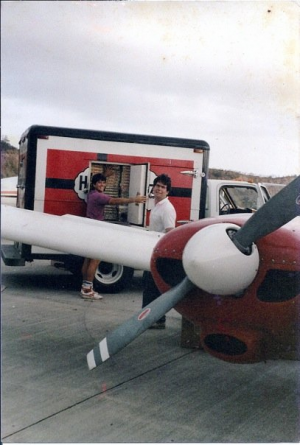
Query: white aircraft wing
x=75, y=235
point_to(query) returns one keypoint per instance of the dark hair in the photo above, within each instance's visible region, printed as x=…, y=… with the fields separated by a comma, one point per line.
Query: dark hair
x=164, y=179
x=98, y=177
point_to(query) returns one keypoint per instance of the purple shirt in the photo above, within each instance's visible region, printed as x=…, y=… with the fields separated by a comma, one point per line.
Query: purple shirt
x=95, y=204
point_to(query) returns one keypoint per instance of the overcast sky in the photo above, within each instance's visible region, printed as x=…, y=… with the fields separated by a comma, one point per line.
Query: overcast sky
x=224, y=72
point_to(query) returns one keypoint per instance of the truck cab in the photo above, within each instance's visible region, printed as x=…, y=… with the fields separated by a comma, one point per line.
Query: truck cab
x=229, y=197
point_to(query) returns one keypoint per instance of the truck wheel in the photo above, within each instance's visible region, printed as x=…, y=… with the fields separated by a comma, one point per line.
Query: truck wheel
x=112, y=278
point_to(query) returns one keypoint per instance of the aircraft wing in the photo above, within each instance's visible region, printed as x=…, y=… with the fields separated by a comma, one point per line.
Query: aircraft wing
x=76, y=235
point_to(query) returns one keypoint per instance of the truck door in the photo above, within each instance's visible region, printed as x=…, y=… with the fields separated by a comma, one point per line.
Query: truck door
x=137, y=186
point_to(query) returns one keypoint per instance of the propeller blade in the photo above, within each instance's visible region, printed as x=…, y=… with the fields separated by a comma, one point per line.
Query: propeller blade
x=136, y=325
x=281, y=209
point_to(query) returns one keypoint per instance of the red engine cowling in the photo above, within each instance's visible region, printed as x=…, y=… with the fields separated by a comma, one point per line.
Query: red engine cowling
x=260, y=323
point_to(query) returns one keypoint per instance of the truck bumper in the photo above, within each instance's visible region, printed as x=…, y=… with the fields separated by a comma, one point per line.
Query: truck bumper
x=11, y=256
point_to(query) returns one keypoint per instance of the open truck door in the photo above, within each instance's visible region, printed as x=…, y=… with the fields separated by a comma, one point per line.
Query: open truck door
x=137, y=186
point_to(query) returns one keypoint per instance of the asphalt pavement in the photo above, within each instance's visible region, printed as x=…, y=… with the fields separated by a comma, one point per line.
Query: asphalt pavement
x=154, y=390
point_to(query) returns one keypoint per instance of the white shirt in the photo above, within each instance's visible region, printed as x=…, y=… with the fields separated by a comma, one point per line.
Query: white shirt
x=162, y=216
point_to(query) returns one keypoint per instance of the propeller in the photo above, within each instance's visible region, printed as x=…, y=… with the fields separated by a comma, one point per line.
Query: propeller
x=281, y=209
x=136, y=325
x=220, y=259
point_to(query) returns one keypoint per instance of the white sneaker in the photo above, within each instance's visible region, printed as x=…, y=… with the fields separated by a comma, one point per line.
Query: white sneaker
x=90, y=294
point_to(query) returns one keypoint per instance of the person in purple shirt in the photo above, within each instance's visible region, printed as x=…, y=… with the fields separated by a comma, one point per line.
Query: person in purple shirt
x=96, y=201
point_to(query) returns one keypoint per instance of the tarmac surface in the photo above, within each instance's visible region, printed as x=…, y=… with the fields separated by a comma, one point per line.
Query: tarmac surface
x=152, y=391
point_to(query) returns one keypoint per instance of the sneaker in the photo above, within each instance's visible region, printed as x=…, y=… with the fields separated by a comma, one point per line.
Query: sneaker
x=158, y=325
x=90, y=294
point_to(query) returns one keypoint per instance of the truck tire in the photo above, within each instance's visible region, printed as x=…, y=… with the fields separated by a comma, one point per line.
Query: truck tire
x=112, y=278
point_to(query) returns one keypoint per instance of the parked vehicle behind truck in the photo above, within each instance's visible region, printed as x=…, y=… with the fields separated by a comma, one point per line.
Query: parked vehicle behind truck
x=55, y=169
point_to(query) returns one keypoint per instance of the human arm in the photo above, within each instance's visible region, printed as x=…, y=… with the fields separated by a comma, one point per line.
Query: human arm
x=138, y=199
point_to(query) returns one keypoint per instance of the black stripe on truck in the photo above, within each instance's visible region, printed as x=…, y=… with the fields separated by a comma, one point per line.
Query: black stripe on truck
x=68, y=184
x=65, y=184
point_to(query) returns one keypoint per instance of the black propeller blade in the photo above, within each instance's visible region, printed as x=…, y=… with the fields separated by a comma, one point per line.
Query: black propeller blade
x=281, y=209
x=136, y=325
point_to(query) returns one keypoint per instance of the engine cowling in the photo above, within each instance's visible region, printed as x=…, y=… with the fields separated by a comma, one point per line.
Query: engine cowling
x=258, y=322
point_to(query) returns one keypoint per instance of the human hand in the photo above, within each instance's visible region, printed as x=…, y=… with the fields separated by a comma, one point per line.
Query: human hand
x=140, y=199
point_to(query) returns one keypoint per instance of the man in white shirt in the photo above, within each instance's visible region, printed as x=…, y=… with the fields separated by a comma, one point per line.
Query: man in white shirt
x=162, y=219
